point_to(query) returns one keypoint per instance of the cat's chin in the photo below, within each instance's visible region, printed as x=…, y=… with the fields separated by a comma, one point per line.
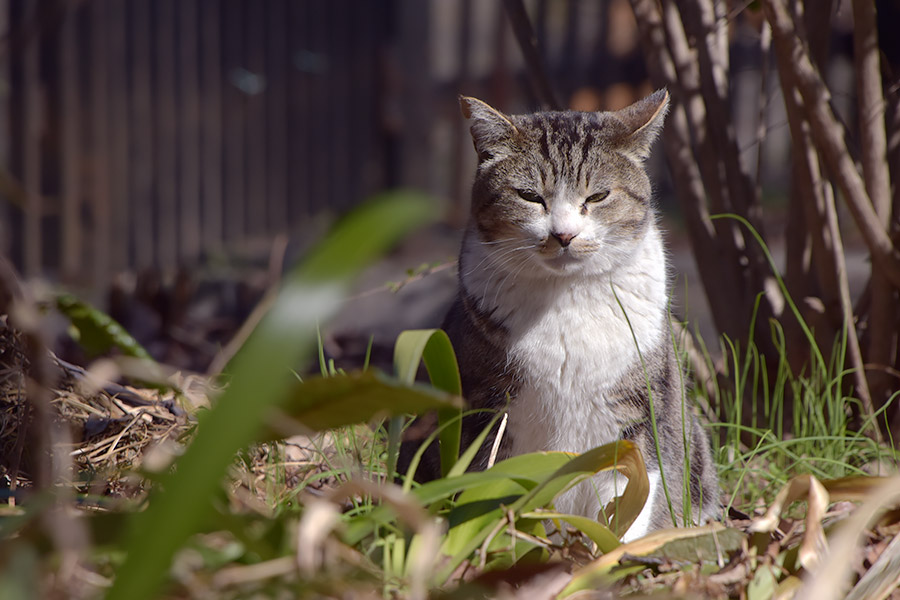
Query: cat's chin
x=564, y=263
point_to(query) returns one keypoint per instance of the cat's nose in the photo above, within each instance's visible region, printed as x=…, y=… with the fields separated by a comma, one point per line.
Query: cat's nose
x=564, y=239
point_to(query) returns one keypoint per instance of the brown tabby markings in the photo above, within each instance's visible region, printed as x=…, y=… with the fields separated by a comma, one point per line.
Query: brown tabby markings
x=545, y=274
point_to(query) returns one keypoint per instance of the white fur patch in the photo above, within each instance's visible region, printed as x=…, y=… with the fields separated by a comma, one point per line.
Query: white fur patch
x=571, y=343
x=641, y=525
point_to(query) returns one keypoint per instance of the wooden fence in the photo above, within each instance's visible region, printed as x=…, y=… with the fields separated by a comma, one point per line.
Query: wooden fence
x=160, y=132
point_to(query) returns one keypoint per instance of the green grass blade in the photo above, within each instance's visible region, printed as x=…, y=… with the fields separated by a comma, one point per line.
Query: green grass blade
x=260, y=380
x=817, y=354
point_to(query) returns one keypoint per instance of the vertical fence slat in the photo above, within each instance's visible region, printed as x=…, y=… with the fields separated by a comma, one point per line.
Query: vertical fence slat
x=276, y=115
x=341, y=45
x=412, y=17
x=70, y=149
x=31, y=171
x=99, y=198
x=5, y=130
x=255, y=124
x=298, y=120
x=233, y=123
x=142, y=155
x=211, y=135
x=366, y=78
x=318, y=114
x=120, y=203
x=189, y=149
x=166, y=132
x=461, y=151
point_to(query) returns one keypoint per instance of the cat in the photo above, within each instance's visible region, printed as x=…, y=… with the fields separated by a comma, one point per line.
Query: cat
x=562, y=243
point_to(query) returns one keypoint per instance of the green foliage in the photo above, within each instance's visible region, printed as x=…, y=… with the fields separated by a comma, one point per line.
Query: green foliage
x=322, y=403
x=407, y=540
x=482, y=508
x=97, y=332
x=260, y=381
x=432, y=346
x=758, y=454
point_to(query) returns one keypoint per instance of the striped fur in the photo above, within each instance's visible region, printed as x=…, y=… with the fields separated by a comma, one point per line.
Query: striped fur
x=562, y=245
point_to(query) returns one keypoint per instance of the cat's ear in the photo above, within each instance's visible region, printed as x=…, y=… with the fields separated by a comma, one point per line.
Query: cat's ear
x=643, y=121
x=492, y=131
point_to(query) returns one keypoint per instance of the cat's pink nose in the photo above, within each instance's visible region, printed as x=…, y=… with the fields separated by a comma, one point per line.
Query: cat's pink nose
x=564, y=239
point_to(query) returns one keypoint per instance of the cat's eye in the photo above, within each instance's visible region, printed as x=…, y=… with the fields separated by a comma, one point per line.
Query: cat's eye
x=598, y=197
x=530, y=196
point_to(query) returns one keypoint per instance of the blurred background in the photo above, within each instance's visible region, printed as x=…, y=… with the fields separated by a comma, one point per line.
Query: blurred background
x=167, y=159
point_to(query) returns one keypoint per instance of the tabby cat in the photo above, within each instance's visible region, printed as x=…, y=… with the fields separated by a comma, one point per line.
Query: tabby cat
x=563, y=245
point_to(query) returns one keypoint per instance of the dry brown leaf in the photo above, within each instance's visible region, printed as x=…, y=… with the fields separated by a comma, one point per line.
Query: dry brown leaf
x=319, y=519
x=585, y=576
x=803, y=487
x=882, y=577
x=829, y=580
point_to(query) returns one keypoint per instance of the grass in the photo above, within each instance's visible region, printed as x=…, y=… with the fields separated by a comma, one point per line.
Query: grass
x=758, y=453
x=798, y=423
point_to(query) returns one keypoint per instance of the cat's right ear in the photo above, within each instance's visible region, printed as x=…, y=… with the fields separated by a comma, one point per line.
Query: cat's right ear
x=492, y=131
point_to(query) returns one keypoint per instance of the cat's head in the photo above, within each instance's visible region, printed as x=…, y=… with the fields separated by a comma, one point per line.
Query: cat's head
x=563, y=191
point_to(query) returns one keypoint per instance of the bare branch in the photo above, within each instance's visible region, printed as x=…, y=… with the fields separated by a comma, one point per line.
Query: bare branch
x=873, y=143
x=873, y=139
x=518, y=18
x=700, y=23
x=810, y=190
x=690, y=188
x=828, y=135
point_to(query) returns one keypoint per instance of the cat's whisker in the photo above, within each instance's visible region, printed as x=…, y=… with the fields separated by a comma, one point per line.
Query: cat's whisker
x=496, y=260
x=490, y=257
x=509, y=259
x=500, y=265
x=511, y=273
x=493, y=242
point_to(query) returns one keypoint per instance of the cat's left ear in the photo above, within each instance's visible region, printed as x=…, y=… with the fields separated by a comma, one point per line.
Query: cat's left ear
x=643, y=121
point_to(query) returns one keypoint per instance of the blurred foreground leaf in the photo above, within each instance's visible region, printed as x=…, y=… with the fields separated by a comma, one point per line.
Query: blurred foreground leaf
x=322, y=403
x=98, y=333
x=260, y=381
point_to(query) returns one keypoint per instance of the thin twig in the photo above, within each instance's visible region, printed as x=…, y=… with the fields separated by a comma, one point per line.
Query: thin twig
x=521, y=24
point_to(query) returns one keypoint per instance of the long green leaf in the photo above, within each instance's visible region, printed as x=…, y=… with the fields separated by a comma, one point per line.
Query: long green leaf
x=434, y=348
x=527, y=469
x=98, y=332
x=484, y=504
x=468, y=456
x=260, y=380
x=600, y=534
x=322, y=403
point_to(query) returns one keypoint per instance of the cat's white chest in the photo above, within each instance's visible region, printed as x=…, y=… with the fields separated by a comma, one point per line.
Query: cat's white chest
x=570, y=351
x=572, y=339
